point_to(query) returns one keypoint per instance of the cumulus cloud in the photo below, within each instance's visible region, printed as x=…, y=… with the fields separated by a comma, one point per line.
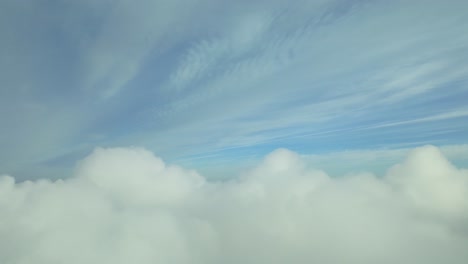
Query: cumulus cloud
x=128, y=206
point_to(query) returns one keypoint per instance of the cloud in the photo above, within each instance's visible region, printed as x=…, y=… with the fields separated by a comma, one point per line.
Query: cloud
x=378, y=160
x=128, y=206
x=130, y=31
x=314, y=69
x=262, y=74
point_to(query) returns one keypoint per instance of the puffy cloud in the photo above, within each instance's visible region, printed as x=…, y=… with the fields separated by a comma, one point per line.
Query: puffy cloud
x=128, y=206
x=432, y=182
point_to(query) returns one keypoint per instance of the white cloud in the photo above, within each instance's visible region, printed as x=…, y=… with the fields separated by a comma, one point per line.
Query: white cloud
x=128, y=206
x=423, y=177
x=378, y=160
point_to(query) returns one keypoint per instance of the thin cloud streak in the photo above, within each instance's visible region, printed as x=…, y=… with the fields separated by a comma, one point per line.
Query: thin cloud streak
x=195, y=78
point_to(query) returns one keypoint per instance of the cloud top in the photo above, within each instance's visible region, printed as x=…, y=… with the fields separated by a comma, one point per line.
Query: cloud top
x=128, y=206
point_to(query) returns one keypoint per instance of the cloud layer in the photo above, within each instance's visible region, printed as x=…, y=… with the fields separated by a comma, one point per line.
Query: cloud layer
x=128, y=206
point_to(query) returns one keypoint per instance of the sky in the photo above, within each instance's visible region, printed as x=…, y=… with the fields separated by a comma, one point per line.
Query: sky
x=209, y=84
x=203, y=131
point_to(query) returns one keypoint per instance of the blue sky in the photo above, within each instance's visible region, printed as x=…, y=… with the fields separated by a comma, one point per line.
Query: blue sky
x=221, y=83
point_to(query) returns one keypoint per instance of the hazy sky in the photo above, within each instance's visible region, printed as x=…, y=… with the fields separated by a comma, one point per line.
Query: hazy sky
x=219, y=83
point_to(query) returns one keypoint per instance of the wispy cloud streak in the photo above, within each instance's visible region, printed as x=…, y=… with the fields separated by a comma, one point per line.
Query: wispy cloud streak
x=185, y=78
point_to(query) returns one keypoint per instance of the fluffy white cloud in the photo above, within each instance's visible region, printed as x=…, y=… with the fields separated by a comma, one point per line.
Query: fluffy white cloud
x=128, y=206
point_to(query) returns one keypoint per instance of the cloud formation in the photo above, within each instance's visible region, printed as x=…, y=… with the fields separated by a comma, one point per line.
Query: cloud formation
x=328, y=76
x=128, y=206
